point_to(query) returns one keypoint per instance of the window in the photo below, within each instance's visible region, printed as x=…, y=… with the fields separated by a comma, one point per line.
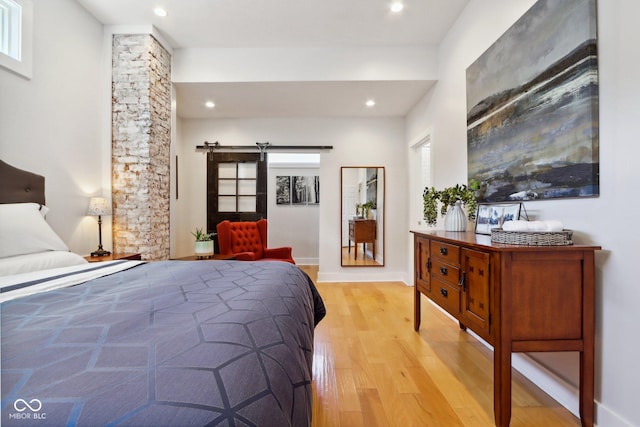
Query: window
x=237, y=187
x=16, y=33
x=10, y=28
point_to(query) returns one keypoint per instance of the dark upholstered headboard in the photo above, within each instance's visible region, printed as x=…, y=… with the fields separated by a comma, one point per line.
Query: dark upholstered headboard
x=20, y=186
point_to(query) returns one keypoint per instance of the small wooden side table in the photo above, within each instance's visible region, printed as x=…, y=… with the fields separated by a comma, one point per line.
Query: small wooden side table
x=206, y=257
x=113, y=257
x=362, y=231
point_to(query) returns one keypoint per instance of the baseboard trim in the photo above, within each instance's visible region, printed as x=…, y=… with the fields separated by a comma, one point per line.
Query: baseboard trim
x=607, y=418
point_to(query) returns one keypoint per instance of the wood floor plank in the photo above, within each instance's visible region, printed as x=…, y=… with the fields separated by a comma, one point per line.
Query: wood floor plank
x=373, y=409
x=352, y=418
x=347, y=392
x=372, y=369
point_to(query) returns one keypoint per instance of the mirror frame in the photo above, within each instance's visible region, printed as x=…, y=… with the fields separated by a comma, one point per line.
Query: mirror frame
x=380, y=230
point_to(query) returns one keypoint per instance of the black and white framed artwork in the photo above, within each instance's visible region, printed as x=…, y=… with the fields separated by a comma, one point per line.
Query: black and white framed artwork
x=297, y=190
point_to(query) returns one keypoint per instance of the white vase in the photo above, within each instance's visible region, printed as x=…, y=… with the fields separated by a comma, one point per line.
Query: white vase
x=204, y=248
x=455, y=220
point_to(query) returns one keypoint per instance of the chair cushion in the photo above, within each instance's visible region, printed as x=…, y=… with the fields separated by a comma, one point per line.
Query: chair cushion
x=245, y=237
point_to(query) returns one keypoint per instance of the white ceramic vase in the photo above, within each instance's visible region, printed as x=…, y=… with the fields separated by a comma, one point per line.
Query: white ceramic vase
x=204, y=248
x=455, y=220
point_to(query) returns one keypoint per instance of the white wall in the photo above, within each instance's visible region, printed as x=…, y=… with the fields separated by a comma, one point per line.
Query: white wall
x=608, y=220
x=52, y=123
x=305, y=64
x=356, y=142
x=297, y=226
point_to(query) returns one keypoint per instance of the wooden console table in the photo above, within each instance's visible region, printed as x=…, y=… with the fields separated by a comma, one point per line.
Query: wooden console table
x=362, y=231
x=517, y=298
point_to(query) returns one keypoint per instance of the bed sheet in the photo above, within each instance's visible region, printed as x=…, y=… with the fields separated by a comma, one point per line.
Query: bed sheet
x=164, y=343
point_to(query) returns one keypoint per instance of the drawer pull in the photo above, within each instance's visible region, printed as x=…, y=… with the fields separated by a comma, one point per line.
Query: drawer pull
x=443, y=251
x=443, y=271
x=444, y=292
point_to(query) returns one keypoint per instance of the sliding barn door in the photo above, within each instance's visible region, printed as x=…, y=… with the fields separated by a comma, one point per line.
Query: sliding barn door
x=236, y=188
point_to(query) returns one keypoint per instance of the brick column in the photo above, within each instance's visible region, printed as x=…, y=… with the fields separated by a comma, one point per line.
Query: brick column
x=141, y=138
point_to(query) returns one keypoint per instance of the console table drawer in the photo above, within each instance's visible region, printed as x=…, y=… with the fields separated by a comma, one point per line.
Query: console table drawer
x=446, y=296
x=445, y=272
x=445, y=252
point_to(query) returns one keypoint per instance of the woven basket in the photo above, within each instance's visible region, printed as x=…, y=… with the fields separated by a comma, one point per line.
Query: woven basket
x=532, y=238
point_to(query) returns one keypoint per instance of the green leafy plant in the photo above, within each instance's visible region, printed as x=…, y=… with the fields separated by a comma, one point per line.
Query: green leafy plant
x=363, y=209
x=201, y=236
x=367, y=206
x=448, y=197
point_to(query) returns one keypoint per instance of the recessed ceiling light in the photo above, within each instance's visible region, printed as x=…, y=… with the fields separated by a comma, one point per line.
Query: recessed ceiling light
x=396, y=7
x=370, y=103
x=160, y=11
x=209, y=104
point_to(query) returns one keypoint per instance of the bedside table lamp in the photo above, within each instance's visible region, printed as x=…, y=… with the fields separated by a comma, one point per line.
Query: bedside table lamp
x=99, y=206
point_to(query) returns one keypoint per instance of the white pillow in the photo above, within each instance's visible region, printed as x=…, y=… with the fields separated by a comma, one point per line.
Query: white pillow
x=39, y=261
x=23, y=230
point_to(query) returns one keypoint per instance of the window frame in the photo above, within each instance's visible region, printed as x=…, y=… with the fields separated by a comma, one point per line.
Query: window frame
x=23, y=65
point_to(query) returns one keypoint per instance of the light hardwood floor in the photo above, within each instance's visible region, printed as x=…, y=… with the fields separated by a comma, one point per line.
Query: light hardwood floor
x=372, y=369
x=364, y=258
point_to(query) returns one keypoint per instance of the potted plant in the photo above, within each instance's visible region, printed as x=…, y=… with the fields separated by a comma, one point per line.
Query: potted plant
x=204, y=243
x=452, y=199
x=367, y=207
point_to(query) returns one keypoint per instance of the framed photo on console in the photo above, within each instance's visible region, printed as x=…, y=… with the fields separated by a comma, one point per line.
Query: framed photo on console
x=492, y=215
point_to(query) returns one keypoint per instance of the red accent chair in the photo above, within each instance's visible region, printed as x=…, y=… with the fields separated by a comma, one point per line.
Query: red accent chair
x=247, y=241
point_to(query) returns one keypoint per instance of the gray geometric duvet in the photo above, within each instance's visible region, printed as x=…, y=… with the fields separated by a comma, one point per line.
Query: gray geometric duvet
x=172, y=343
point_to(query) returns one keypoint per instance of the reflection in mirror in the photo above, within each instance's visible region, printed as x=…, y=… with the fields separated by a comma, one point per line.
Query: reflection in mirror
x=362, y=214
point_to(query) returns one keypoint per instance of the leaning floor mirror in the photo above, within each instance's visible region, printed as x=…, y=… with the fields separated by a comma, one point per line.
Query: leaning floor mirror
x=362, y=216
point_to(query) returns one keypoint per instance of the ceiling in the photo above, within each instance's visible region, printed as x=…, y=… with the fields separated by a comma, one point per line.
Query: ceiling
x=299, y=99
x=290, y=23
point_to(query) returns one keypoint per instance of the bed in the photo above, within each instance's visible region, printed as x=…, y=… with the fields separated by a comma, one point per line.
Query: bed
x=220, y=343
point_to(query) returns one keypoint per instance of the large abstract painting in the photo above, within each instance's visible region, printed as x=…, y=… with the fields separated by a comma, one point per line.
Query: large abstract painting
x=532, y=107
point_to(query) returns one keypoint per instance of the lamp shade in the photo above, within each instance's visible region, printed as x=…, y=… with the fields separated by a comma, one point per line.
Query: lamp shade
x=99, y=206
